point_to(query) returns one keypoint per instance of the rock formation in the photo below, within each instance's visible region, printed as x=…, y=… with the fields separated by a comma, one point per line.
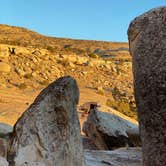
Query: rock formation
x=3, y=161
x=108, y=131
x=147, y=39
x=119, y=157
x=48, y=132
x=5, y=132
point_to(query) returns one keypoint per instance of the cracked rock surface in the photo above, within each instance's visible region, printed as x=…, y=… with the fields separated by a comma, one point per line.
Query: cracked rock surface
x=147, y=39
x=48, y=132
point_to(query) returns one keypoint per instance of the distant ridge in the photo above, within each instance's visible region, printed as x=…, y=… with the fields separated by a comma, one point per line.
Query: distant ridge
x=14, y=35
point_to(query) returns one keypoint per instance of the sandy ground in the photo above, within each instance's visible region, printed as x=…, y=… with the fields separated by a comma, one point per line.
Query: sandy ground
x=13, y=102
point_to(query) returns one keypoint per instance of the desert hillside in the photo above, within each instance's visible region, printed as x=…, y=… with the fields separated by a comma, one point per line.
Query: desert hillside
x=29, y=61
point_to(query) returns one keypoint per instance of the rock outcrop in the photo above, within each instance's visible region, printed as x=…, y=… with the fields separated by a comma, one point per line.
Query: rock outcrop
x=5, y=132
x=108, y=131
x=88, y=143
x=147, y=39
x=5, y=129
x=3, y=161
x=48, y=132
x=119, y=157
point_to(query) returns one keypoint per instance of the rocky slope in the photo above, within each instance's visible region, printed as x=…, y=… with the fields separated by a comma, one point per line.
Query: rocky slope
x=48, y=133
x=30, y=61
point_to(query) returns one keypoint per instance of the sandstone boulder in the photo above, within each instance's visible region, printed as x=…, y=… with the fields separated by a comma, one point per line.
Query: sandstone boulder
x=48, y=132
x=147, y=42
x=108, y=131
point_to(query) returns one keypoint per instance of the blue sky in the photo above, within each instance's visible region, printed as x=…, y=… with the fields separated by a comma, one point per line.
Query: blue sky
x=80, y=19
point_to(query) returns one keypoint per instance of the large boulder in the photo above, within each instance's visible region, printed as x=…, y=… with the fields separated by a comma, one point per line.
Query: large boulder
x=109, y=131
x=88, y=143
x=48, y=132
x=147, y=39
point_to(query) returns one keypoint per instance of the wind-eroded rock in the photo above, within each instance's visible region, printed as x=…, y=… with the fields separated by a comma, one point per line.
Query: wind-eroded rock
x=109, y=131
x=48, y=132
x=147, y=39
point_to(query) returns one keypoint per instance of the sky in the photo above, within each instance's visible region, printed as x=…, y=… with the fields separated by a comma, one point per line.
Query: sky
x=106, y=20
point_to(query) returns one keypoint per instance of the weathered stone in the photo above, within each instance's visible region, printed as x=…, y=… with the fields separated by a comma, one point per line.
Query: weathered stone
x=119, y=157
x=49, y=131
x=88, y=105
x=5, y=132
x=108, y=131
x=4, y=67
x=147, y=39
x=5, y=129
x=3, y=162
x=88, y=143
x=3, y=147
x=4, y=51
x=133, y=134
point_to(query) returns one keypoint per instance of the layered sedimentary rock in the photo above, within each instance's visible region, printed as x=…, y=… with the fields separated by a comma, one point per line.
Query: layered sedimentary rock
x=48, y=132
x=147, y=39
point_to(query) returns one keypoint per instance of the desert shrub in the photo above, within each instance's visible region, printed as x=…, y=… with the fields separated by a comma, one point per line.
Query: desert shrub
x=112, y=104
x=52, y=49
x=45, y=82
x=22, y=86
x=28, y=76
x=100, y=91
x=93, y=55
x=64, y=62
x=122, y=107
x=116, y=93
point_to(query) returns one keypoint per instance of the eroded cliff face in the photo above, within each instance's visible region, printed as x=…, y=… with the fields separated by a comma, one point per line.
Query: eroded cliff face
x=148, y=48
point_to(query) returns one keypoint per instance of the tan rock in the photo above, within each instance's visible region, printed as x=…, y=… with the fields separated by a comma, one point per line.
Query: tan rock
x=4, y=51
x=4, y=67
x=81, y=60
x=20, y=72
x=22, y=50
